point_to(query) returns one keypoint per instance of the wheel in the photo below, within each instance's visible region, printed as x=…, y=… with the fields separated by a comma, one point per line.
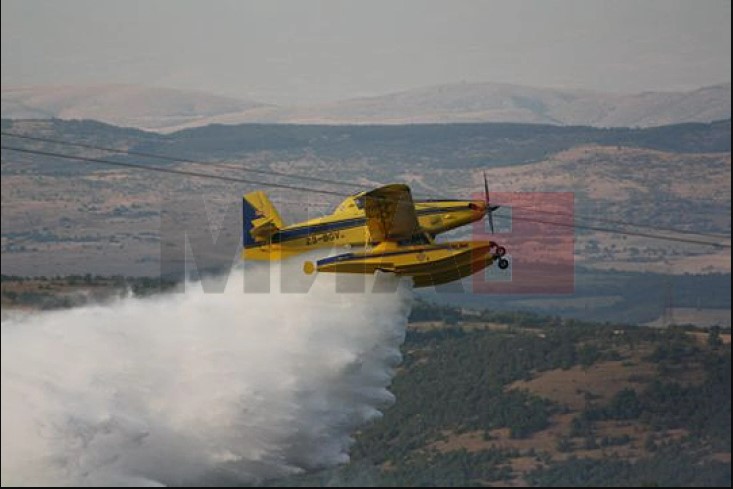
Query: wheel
x=500, y=251
x=503, y=263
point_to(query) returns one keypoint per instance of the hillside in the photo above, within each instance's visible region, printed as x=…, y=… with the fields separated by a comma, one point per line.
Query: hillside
x=123, y=105
x=495, y=102
x=60, y=217
x=517, y=400
x=168, y=110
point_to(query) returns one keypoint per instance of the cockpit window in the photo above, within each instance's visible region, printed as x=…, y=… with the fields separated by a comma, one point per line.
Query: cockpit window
x=350, y=203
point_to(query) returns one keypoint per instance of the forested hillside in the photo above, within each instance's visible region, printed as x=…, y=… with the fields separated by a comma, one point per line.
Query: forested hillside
x=630, y=406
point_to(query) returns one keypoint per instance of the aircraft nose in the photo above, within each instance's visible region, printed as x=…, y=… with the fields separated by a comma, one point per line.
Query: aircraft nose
x=479, y=206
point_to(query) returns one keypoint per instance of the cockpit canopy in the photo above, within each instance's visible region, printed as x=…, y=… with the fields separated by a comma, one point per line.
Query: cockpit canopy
x=351, y=205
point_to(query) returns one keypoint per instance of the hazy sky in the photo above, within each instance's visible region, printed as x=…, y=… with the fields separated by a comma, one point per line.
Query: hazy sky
x=310, y=51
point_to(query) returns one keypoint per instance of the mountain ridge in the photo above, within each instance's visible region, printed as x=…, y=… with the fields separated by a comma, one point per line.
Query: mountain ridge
x=168, y=110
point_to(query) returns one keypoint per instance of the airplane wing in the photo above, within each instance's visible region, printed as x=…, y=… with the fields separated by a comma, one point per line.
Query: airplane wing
x=390, y=213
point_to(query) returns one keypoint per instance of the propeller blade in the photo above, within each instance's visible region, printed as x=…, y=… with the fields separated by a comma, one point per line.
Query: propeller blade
x=489, y=208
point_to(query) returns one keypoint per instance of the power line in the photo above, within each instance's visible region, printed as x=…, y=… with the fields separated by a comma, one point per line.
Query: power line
x=615, y=231
x=173, y=171
x=342, y=183
x=183, y=160
x=329, y=192
x=622, y=223
x=276, y=201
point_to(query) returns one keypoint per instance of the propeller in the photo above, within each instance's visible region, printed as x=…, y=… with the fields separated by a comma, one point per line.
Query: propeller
x=489, y=208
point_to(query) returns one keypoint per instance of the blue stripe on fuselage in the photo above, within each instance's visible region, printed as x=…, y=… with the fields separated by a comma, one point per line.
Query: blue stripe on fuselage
x=362, y=256
x=295, y=233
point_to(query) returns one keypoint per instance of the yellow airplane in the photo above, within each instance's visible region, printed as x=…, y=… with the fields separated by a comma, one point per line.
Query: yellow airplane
x=398, y=235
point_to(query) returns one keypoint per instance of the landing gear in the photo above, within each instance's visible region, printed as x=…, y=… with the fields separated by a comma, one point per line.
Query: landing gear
x=498, y=253
x=497, y=250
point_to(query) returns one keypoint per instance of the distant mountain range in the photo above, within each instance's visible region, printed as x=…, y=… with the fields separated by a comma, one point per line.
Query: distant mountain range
x=123, y=105
x=166, y=110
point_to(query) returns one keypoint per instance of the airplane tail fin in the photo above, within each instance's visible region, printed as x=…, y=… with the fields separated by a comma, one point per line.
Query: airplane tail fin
x=260, y=218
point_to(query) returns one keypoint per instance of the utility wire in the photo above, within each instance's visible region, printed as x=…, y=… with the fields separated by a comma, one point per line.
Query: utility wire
x=342, y=183
x=621, y=223
x=184, y=160
x=615, y=231
x=329, y=192
x=173, y=171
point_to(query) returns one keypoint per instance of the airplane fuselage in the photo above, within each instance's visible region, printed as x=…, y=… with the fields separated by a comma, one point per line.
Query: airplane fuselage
x=347, y=227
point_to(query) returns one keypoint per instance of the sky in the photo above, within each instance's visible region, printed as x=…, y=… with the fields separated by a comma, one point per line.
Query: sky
x=304, y=52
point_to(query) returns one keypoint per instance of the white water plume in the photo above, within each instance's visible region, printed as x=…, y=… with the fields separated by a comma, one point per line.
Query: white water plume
x=190, y=388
